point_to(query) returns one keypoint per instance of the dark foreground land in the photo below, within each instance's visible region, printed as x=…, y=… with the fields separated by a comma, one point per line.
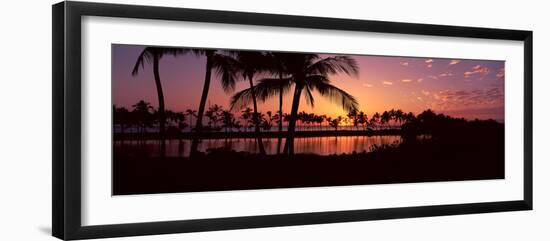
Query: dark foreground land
x=456, y=152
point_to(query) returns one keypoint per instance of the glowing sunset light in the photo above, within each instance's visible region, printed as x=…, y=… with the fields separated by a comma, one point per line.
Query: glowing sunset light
x=457, y=87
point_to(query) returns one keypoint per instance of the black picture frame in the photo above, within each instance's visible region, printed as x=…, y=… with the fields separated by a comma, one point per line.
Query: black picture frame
x=66, y=47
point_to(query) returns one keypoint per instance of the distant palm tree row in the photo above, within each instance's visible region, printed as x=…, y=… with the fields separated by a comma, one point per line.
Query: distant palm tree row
x=144, y=116
x=306, y=72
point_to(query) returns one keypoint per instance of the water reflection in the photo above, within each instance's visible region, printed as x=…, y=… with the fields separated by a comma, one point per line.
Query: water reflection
x=315, y=145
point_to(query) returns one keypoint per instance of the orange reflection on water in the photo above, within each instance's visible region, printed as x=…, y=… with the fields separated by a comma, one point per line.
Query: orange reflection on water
x=313, y=145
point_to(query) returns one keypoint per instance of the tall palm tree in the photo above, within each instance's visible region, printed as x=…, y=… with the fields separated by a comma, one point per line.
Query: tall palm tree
x=250, y=64
x=154, y=54
x=279, y=60
x=263, y=90
x=276, y=64
x=225, y=67
x=310, y=73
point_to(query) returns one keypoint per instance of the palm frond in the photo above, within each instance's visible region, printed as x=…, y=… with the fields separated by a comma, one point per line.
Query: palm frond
x=334, y=65
x=264, y=88
x=309, y=97
x=226, y=68
x=173, y=51
x=149, y=53
x=335, y=95
x=270, y=87
x=241, y=99
x=145, y=56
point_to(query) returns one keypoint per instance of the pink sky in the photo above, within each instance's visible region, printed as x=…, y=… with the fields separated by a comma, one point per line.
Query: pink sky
x=456, y=87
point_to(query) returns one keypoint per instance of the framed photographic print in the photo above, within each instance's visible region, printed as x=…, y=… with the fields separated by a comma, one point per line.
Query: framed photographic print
x=170, y=120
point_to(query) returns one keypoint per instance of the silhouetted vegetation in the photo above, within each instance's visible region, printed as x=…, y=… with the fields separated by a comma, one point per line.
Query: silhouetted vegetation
x=433, y=147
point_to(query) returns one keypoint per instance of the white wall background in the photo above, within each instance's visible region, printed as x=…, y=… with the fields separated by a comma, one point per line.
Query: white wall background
x=25, y=96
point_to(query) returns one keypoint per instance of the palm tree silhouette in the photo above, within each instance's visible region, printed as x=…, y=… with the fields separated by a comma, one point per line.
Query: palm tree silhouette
x=309, y=72
x=409, y=117
x=362, y=119
x=374, y=120
x=191, y=113
x=154, y=54
x=265, y=89
x=246, y=115
x=353, y=116
x=224, y=67
x=142, y=115
x=214, y=113
x=251, y=63
x=267, y=121
x=228, y=120
x=335, y=122
x=121, y=117
x=385, y=119
x=399, y=116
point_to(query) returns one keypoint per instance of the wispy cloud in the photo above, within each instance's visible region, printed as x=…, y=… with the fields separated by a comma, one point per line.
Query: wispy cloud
x=367, y=85
x=478, y=69
x=387, y=83
x=454, y=61
x=425, y=92
x=446, y=74
x=432, y=76
x=406, y=80
x=453, y=99
x=429, y=62
x=404, y=63
x=419, y=80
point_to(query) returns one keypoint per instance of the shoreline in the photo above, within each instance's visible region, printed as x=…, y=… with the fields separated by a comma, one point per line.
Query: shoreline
x=252, y=134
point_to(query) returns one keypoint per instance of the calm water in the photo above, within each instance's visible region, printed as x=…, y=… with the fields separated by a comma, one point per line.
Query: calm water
x=275, y=128
x=316, y=145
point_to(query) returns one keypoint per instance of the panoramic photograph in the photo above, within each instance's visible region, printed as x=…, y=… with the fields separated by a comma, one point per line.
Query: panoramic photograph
x=202, y=119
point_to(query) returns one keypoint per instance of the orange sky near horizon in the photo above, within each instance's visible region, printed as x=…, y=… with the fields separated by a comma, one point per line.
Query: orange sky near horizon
x=456, y=87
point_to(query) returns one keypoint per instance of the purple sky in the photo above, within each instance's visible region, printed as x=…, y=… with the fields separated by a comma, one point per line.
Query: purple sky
x=460, y=88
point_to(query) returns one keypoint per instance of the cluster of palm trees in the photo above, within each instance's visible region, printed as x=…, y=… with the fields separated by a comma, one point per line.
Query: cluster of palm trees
x=388, y=119
x=144, y=116
x=305, y=72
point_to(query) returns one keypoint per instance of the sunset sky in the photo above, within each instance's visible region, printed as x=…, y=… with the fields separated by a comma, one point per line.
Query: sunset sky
x=456, y=87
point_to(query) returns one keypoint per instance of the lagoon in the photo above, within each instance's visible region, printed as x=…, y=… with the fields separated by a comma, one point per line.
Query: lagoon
x=311, y=145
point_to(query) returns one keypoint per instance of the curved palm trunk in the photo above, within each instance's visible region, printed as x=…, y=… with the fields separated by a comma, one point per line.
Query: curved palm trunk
x=289, y=144
x=280, y=137
x=200, y=114
x=162, y=116
x=257, y=122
